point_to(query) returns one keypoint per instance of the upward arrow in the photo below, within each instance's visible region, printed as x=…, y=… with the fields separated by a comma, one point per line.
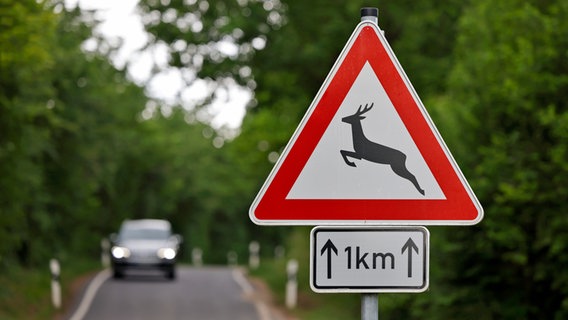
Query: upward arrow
x=409, y=245
x=329, y=247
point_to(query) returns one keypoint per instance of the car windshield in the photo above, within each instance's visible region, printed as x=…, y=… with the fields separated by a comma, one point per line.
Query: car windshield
x=144, y=234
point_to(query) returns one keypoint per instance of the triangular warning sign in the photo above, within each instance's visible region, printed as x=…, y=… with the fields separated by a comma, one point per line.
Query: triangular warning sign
x=366, y=152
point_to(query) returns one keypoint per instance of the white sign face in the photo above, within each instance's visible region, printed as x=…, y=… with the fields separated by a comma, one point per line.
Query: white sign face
x=326, y=175
x=358, y=259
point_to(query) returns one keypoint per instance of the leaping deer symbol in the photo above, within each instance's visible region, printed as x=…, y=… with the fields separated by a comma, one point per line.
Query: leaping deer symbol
x=368, y=150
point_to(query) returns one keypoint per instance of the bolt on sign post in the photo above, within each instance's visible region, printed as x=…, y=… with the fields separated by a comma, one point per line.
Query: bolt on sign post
x=367, y=155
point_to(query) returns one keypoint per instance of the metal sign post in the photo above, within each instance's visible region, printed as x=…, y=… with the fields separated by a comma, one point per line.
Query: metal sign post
x=370, y=301
x=369, y=306
x=368, y=240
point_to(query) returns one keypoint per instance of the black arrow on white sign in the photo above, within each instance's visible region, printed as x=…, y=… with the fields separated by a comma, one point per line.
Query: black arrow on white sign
x=329, y=247
x=409, y=245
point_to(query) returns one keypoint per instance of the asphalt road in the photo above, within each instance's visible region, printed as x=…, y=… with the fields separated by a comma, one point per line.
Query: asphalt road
x=211, y=293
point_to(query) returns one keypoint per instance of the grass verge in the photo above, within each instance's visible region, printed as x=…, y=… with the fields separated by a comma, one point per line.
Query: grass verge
x=25, y=293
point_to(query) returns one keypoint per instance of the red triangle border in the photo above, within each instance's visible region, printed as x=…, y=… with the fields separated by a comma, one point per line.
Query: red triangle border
x=366, y=45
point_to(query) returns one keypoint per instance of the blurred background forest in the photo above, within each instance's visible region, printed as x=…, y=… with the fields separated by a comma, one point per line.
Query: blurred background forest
x=83, y=146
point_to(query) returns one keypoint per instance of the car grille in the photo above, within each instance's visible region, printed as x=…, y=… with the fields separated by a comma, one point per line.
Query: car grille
x=143, y=255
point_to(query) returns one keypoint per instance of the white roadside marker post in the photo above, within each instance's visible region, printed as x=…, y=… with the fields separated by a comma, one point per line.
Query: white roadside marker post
x=292, y=284
x=232, y=258
x=105, y=253
x=55, y=286
x=196, y=257
x=254, y=260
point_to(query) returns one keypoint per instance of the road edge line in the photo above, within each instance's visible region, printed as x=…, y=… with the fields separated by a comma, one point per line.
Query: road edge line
x=89, y=295
x=261, y=308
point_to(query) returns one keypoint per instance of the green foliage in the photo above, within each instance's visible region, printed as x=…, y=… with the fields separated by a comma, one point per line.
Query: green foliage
x=25, y=65
x=504, y=115
x=82, y=148
x=77, y=158
x=511, y=76
x=282, y=51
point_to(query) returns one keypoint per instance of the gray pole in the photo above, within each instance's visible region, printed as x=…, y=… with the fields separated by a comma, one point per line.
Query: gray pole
x=370, y=301
x=369, y=306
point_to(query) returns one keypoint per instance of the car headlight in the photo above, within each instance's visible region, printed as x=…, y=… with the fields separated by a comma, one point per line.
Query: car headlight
x=120, y=252
x=166, y=253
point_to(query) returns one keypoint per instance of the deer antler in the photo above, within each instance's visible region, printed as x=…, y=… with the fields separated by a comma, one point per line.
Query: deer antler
x=367, y=108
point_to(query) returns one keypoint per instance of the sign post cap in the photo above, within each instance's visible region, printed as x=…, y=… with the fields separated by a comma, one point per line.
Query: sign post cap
x=369, y=12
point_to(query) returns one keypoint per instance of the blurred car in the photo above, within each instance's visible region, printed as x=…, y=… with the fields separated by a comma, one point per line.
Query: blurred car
x=144, y=244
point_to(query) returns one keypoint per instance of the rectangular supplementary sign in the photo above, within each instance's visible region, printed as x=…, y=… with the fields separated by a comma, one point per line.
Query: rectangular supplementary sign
x=369, y=259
